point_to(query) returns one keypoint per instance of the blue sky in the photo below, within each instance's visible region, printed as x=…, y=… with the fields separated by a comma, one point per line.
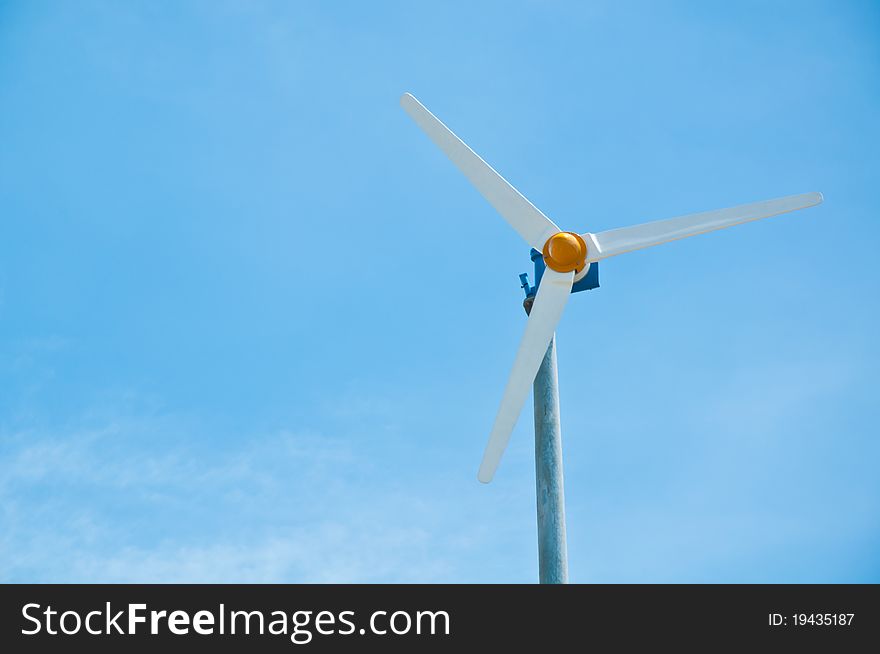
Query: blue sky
x=254, y=326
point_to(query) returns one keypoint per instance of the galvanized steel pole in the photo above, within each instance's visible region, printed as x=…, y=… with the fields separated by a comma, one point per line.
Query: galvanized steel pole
x=552, y=550
x=549, y=488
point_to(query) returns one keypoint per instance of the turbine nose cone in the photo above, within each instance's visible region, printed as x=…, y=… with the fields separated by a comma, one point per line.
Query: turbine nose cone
x=565, y=251
x=564, y=248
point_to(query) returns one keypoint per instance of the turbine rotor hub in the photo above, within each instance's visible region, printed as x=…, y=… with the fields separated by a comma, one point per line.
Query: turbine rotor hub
x=565, y=251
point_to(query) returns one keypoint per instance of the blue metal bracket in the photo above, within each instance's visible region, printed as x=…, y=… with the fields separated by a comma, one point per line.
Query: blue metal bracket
x=589, y=281
x=524, y=284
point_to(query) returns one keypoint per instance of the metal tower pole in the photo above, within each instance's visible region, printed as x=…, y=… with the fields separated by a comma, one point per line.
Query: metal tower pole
x=552, y=550
x=549, y=491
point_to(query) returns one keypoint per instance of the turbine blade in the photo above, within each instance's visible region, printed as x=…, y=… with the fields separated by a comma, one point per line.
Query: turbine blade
x=553, y=293
x=626, y=239
x=521, y=214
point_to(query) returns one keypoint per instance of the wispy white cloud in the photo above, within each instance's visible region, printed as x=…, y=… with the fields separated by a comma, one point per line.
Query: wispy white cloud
x=138, y=498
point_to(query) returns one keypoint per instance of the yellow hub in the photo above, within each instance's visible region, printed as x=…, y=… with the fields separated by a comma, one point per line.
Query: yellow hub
x=565, y=251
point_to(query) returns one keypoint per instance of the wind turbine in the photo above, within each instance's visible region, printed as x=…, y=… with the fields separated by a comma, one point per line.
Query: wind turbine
x=563, y=263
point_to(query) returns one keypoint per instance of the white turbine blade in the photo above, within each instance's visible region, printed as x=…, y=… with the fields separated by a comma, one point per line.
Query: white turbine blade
x=626, y=239
x=546, y=311
x=522, y=215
